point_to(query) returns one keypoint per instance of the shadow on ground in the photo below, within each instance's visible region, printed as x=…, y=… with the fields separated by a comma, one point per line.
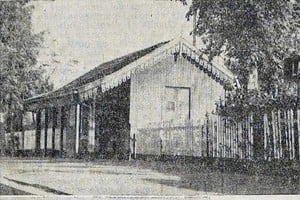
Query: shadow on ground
x=7, y=190
x=202, y=178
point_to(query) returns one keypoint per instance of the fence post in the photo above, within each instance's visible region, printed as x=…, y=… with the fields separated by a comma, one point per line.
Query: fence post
x=234, y=141
x=246, y=132
x=199, y=138
x=298, y=130
x=275, y=130
x=285, y=133
x=251, y=136
x=239, y=137
x=292, y=138
x=241, y=140
x=207, y=136
x=236, y=132
x=218, y=136
x=288, y=136
x=265, y=136
x=203, y=140
x=230, y=139
x=244, y=150
x=225, y=138
x=271, y=133
x=226, y=155
x=296, y=134
x=279, y=133
x=212, y=138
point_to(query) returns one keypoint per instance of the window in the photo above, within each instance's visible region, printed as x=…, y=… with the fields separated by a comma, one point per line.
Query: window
x=177, y=104
x=171, y=106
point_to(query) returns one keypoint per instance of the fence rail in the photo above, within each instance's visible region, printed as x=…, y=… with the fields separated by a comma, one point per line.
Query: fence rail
x=263, y=135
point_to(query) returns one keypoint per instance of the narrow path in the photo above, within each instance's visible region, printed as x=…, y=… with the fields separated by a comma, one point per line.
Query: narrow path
x=45, y=188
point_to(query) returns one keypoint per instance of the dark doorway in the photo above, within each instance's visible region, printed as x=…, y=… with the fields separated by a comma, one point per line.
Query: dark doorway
x=112, y=122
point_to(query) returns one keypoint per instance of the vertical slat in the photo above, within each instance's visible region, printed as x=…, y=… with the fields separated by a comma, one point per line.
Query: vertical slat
x=246, y=132
x=298, y=133
x=285, y=135
x=220, y=136
x=217, y=136
x=236, y=130
x=213, y=137
x=275, y=149
x=279, y=133
x=202, y=140
x=230, y=139
x=239, y=134
x=268, y=131
x=265, y=136
x=241, y=142
x=237, y=138
x=251, y=136
x=225, y=138
x=295, y=122
x=292, y=142
x=207, y=137
x=278, y=129
x=234, y=140
x=221, y=143
x=269, y=144
x=270, y=136
x=288, y=134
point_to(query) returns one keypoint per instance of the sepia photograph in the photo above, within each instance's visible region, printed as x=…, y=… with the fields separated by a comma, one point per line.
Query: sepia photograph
x=150, y=99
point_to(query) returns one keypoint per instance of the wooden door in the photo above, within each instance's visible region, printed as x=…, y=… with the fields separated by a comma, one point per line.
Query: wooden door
x=177, y=104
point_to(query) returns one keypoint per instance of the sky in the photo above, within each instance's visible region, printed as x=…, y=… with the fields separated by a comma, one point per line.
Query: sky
x=81, y=34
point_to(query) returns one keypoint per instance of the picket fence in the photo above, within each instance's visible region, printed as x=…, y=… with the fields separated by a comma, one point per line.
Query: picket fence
x=263, y=135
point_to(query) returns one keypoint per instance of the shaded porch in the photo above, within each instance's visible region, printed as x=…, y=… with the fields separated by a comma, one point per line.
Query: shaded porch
x=96, y=126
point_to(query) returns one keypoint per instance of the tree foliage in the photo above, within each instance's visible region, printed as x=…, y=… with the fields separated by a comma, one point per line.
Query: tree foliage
x=249, y=34
x=20, y=78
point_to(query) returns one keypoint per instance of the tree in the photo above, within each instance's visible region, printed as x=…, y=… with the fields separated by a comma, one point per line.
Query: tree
x=250, y=34
x=20, y=78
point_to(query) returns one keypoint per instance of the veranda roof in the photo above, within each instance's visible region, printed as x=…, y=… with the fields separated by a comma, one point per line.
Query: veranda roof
x=113, y=73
